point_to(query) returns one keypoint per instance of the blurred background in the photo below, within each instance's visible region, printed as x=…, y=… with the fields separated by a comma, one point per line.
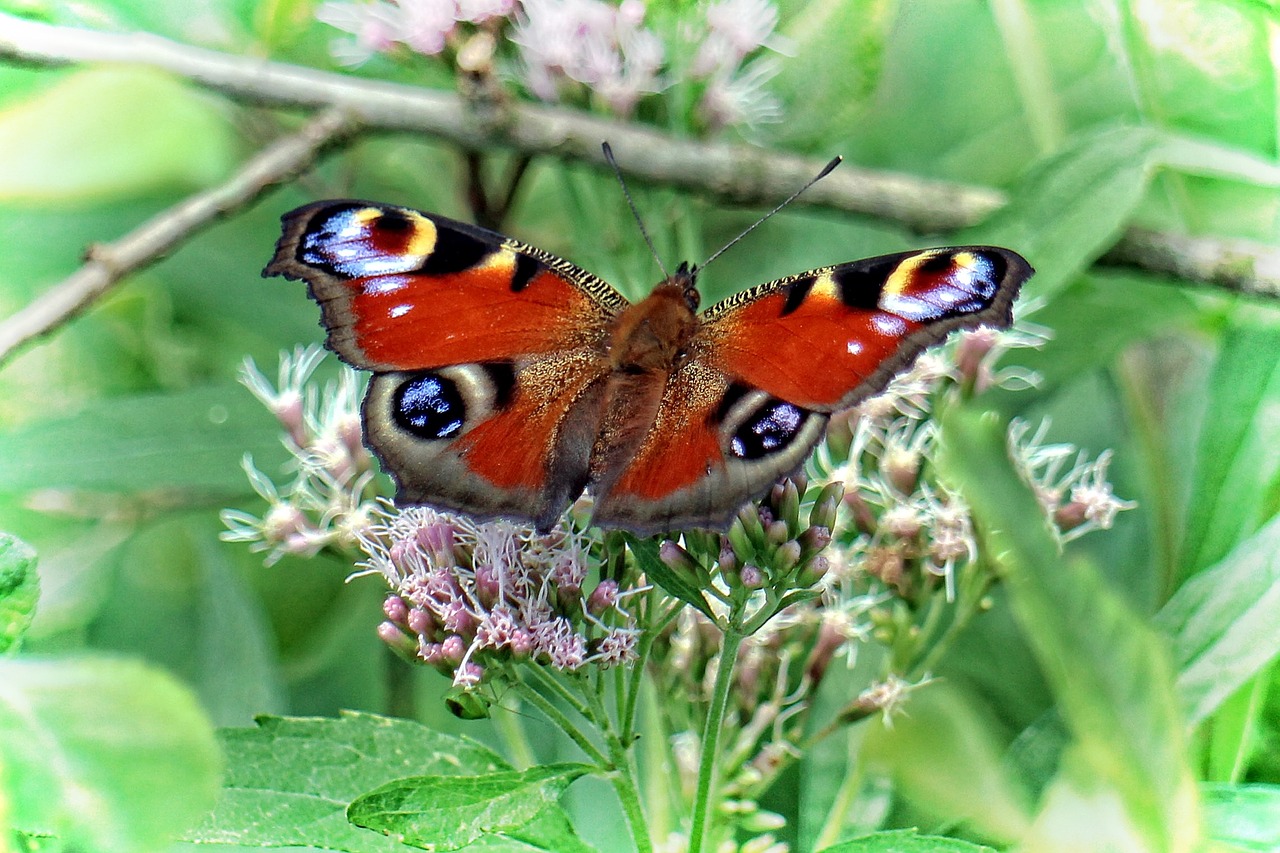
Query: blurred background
x=1098, y=129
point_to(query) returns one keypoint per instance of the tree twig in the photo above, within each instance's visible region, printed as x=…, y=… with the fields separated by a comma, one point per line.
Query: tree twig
x=106, y=264
x=734, y=173
x=1238, y=265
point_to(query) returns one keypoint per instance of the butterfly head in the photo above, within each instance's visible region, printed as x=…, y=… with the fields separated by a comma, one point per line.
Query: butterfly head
x=653, y=335
x=686, y=278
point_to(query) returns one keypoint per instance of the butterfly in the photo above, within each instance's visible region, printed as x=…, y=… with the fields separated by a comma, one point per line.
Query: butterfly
x=506, y=381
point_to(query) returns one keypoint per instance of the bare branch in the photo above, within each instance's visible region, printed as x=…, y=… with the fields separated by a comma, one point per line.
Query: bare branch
x=1238, y=265
x=734, y=173
x=106, y=264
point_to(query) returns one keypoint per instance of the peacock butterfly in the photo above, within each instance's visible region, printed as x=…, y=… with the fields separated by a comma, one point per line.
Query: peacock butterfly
x=507, y=380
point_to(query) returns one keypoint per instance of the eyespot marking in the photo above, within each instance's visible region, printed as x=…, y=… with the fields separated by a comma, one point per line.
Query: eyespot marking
x=429, y=406
x=360, y=242
x=768, y=430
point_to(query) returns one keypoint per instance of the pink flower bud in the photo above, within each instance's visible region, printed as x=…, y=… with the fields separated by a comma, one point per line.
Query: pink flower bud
x=395, y=609
x=421, y=622
x=603, y=597
x=488, y=587
x=452, y=649
x=677, y=558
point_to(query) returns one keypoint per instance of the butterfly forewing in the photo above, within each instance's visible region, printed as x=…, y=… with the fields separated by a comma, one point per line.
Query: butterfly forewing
x=401, y=289
x=830, y=337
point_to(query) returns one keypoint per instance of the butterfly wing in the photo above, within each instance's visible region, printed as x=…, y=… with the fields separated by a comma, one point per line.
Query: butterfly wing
x=487, y=353
x=769, y=365
x=401, y=289
x=826, y=339
x=713, y=445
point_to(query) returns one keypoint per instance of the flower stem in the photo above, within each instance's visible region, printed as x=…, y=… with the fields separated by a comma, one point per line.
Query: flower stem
x=702, y=803
x=623, y=775
x=566, y=725
x=513, y=736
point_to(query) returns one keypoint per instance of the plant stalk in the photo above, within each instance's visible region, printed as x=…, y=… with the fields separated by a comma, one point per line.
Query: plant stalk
x=703, y=800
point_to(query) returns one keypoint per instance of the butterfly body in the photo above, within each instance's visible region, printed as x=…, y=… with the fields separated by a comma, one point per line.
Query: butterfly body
x=507, y=381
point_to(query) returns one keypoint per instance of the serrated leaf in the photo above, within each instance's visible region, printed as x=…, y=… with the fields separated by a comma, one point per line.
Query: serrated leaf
x=1070, y=208
x=289, y=781
x=1244, y=816
x=675, y=584
x=107, y=132
x=19, y=590
x=906, y=841
x=186, y=440
x=1109, y=671
x=1223, y=623
x=449, y=812
x=109, y=753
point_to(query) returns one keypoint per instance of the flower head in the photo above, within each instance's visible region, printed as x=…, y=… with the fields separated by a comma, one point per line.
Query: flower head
x=588, y=42
x=477, y=594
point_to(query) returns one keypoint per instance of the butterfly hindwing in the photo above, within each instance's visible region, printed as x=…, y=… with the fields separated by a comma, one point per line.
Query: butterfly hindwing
x=488, y=439
x=713, y=445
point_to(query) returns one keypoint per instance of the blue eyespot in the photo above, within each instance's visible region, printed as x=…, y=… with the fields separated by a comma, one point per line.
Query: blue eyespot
x=769, y=429
x=429, y=407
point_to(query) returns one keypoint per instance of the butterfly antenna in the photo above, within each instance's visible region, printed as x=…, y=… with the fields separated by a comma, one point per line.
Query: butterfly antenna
x=826, y=170
x=608, y=155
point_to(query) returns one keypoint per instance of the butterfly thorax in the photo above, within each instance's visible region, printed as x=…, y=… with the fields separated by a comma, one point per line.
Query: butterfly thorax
x=653, y=335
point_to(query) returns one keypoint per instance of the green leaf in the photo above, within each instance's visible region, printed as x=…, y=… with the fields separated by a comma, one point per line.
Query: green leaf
x=945, y=755
x=1070, y=208
x=1223, y=623
x=1245, y=816
x=549, y=831
x=646, y=552
x=289, y=780
x=108, y=132
x=449, y=812
x=1093, y=319
x=1238, y=460
x=107, y=752
x=173, y=571
x=1109, y=671
x=186, y=440
x=19, y=590
x=906, y=841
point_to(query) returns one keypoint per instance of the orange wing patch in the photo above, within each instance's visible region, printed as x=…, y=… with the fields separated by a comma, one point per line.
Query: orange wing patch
x=511, y=448
x=420, y=321
x=828, y=338
x=682, y=446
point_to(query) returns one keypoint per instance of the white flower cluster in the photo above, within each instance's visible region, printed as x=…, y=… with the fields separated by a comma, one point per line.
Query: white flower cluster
x=330, y=500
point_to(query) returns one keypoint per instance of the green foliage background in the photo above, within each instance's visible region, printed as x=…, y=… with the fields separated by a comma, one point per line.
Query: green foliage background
x=1140, y=666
